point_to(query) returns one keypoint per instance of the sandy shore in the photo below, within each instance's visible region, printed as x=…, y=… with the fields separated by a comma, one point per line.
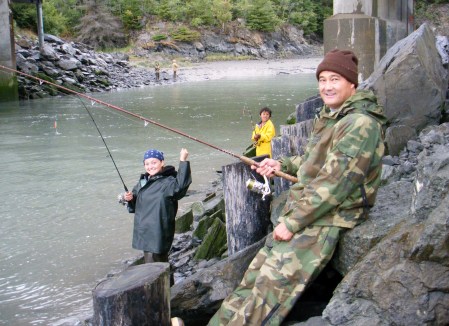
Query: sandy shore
x=252, y=68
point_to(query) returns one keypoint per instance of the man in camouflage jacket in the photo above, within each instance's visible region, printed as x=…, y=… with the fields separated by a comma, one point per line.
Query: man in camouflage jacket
x=338, y=178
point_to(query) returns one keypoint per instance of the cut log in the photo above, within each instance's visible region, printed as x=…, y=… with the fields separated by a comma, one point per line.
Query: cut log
x=140, y=295
x=247, y=215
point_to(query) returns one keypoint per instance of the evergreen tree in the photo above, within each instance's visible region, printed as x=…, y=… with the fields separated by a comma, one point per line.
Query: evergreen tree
x=199, y=12
x=221, y=10
x=262, y=16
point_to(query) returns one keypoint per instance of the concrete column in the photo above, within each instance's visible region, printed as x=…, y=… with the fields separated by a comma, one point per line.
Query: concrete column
x=40, y=24
x=369, y=28
x=8, y=82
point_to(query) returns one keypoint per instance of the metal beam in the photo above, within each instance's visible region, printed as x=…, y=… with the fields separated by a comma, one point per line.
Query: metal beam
x=40, y=19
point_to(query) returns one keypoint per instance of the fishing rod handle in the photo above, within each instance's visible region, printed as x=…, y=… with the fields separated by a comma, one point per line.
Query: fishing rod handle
x=280, y=174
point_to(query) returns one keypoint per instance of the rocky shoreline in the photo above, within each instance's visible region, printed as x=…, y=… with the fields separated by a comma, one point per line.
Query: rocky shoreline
x=79, y=68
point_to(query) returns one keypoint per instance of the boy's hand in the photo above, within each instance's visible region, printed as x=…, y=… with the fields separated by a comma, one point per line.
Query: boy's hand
x=183, y=155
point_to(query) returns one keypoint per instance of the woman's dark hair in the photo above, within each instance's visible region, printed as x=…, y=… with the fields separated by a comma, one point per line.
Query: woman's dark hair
x=265, y=109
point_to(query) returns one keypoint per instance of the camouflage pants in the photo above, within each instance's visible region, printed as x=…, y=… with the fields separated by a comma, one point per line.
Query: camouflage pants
x=277, y=277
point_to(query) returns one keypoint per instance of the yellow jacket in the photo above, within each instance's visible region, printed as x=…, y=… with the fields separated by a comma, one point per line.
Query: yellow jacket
x=267, y=132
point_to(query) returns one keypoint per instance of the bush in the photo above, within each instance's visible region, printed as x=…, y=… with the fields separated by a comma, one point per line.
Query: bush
x=183, y=34
x=159, y=37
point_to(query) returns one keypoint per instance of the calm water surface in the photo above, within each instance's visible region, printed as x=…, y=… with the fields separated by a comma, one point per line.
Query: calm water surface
x=62, y=229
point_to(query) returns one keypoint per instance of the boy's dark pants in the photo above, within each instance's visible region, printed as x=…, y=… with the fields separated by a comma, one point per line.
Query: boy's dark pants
x=150, y=257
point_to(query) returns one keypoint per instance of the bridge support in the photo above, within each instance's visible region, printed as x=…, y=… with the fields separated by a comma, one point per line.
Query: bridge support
x=369, y=28
x=8, y=81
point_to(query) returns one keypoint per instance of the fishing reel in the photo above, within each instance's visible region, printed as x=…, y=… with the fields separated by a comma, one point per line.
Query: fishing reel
x=121, y=199
x=259, y=187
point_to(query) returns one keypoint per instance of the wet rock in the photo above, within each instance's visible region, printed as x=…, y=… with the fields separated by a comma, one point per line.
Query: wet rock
x=214, y=243
x=184, y=222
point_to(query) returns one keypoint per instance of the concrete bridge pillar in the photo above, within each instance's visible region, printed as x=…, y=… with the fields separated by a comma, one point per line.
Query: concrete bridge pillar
x=8, y=82
x=369, y=28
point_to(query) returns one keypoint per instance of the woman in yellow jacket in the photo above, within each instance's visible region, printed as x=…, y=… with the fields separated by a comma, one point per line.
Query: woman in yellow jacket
x=263, y=133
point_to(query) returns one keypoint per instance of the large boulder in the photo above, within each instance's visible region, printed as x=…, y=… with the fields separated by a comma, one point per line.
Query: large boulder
x=411, y=83
x=391, y=208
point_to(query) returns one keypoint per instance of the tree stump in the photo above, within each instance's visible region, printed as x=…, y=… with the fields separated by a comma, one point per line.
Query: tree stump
x=140, y=295
x=247, y=215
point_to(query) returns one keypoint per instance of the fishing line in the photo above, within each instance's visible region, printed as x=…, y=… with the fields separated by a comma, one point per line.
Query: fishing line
x=104, y=142
x=244, y=159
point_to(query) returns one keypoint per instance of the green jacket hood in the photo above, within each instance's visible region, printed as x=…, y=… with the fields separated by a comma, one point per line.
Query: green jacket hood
x=364, y=101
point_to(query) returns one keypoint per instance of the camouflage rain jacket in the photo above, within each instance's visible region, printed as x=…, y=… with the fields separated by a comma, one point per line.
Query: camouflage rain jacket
x=342, y=160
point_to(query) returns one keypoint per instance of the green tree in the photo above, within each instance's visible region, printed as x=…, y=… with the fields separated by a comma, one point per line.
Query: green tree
x=222, y=11
x=71, y=10
x=262, y=16
x=199, y=12
x=171, y=10
x=309, y=15
x=25, y=16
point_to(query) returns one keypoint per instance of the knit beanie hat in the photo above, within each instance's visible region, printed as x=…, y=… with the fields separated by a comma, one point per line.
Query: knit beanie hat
x=153, y=153
x=342, y=62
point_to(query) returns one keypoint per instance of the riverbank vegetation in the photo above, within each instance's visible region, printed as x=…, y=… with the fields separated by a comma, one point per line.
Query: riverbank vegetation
x=115, y=24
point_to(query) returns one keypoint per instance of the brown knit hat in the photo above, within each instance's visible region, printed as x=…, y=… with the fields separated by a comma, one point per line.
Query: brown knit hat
x=342, y=62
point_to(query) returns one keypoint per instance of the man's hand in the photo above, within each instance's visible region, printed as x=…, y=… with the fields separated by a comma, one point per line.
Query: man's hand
x=267, y=167
x=256, y=137
x=281, y=233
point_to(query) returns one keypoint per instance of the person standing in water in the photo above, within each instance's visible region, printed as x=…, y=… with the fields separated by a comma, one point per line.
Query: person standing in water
x=263, y=132
x=154, y=202
x=157, y=70
x=175, y=69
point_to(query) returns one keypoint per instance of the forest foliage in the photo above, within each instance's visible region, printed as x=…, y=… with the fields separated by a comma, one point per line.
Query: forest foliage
x=81, y=18
x=108, y=23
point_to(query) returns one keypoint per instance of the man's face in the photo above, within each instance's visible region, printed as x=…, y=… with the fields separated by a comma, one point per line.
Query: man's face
x=334, y=89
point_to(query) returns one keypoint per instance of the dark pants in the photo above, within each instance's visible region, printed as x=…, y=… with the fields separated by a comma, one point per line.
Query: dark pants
x=150, y=257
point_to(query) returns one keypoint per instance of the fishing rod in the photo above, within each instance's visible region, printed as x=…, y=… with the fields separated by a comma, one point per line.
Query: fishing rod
x=242, y=158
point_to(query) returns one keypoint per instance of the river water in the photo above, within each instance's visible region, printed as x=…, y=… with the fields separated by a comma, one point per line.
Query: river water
x=62, y=229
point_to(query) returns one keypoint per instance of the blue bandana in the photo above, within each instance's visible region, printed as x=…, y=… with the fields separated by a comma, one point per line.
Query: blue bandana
x=153, y=153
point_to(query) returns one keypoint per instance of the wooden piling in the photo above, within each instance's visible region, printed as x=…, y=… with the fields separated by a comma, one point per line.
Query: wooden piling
x=247, y=215
x=140, y=295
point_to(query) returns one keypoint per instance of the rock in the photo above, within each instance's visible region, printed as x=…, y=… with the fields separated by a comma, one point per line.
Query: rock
x=184, y=222
x=49, y=53
x=53, y=39
x=432, y=181
x=412, y=64
x=403, y=279
x=214, y=244
x=391, y=208
x=203, y=227
x=196, y=298
x=397, y=137
x=443, y=49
